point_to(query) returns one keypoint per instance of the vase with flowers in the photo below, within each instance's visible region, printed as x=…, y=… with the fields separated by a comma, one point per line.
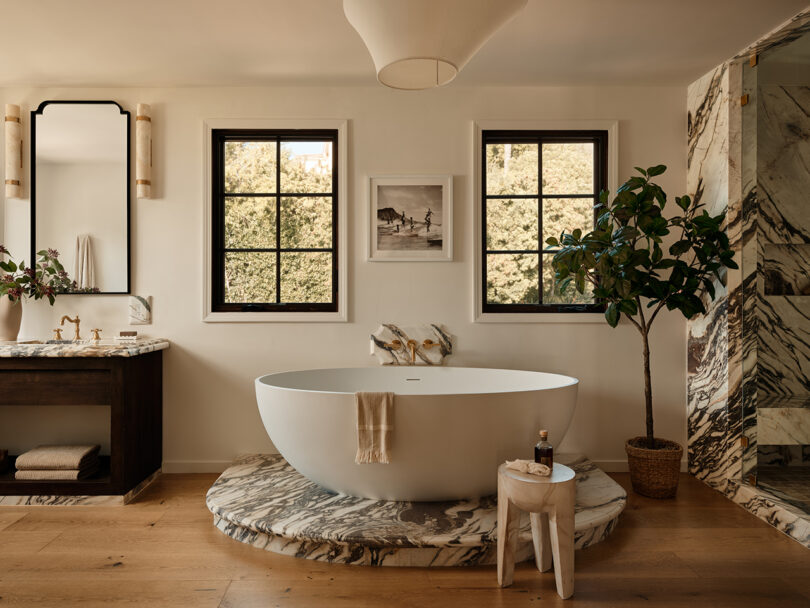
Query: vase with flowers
x=44, y=279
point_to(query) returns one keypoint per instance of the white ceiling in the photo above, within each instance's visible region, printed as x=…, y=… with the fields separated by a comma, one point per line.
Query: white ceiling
x=309, y=42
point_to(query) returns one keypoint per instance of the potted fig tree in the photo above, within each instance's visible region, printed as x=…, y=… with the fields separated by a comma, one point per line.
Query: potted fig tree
x=630, y=269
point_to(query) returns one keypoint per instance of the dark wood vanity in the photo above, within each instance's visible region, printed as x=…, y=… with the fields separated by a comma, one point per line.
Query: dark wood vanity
x=129, y=383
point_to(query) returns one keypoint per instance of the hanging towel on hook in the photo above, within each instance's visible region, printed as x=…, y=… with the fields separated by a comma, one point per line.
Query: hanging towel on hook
x=84, y=272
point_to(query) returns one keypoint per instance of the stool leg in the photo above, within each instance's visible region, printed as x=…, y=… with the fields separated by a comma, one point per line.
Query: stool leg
x=542, y=543
x=561, y=528
x=508, y=525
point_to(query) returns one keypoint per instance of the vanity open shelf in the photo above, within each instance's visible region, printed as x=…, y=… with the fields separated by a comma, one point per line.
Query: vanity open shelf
x=88, y=486
x=127, y=379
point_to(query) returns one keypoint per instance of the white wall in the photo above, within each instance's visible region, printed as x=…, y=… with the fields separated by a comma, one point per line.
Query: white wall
x=210, y=412
x=85, y=198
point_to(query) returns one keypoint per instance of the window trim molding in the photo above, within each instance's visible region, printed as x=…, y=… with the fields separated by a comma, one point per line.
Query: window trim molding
x=341, y=316
x=612, y=127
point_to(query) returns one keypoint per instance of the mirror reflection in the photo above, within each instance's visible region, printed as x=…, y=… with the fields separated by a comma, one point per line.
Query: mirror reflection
x=80, y=191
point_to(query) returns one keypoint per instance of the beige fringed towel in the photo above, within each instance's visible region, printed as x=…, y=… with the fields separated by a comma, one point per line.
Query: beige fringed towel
x=375, y=423
x=58, y=457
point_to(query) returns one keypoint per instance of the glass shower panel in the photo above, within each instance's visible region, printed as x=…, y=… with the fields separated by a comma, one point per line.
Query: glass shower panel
x=775, y=262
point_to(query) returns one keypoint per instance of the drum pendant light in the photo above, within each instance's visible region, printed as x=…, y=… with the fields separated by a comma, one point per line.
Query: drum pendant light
x=419, y=44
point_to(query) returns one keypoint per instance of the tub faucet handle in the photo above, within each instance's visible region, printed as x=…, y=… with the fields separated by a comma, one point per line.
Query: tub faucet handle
x=430, y=344
x=395, y=344
x=57, y=333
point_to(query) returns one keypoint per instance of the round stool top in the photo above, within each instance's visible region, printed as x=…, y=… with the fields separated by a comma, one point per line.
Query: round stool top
x=559, y=474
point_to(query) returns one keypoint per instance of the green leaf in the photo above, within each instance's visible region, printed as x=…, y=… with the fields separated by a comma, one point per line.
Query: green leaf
x=680, y=247
x=612, y=314
x=656, y=170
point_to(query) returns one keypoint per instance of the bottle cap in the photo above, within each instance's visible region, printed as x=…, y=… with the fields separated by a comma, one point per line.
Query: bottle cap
x=544, y=434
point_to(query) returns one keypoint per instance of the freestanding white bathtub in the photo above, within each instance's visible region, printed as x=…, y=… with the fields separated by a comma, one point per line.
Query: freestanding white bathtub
x=453, y=426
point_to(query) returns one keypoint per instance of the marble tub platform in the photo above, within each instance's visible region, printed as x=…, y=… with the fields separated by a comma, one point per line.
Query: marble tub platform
x=262, y=501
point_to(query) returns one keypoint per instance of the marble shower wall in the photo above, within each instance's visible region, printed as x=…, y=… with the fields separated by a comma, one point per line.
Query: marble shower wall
x=748, y=341
x=712, y=385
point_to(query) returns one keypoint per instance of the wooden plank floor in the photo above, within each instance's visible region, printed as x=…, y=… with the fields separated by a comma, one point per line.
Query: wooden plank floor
x=698, y=550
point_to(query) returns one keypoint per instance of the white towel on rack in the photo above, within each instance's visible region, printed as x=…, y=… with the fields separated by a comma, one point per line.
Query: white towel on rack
x=84, y=272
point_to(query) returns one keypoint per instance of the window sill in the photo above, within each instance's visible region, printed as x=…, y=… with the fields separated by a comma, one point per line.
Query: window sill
x=541, y=317
x=274, y=317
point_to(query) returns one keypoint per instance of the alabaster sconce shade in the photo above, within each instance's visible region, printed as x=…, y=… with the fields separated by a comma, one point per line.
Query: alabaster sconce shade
x=13, y=151
x=143, y=151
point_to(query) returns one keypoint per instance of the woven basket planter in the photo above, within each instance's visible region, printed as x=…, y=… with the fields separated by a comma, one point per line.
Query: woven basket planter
x=654, y=473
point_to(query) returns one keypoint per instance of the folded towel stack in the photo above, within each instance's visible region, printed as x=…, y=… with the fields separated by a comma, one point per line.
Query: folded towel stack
x=58, y=462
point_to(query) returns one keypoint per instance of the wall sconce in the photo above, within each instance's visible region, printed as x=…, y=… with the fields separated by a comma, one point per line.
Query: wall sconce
x=14, y=152
x=143, y=151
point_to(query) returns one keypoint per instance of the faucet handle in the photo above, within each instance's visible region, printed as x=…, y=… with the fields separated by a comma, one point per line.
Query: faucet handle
x=430, y=343
x=57, y=334
x=96, y=333
x=395, y=344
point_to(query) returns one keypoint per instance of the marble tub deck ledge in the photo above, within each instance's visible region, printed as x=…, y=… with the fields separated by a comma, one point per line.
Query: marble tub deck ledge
x=262, y=501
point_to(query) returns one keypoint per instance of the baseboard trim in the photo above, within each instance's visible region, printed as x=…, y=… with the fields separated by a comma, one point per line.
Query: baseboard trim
x=217, y=466
x=620, y=466
x=195, y=466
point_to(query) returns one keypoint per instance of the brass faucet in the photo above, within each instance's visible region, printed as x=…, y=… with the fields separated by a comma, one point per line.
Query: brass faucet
x=413, y=345
x=57, y=334
x=76, y=336
x=397, y=345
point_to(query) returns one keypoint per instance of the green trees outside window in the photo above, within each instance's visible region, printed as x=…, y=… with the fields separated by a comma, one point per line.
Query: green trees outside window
x=275, y=220
x=535, y=185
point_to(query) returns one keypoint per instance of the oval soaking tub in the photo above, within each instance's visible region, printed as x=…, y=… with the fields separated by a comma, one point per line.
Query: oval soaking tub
x=453, y=426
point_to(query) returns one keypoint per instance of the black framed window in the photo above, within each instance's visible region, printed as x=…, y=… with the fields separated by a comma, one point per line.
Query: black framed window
x=534, y=185
x=274, y=228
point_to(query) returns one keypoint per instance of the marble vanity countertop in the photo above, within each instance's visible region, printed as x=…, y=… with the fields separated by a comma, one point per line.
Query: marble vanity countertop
x=105, y=348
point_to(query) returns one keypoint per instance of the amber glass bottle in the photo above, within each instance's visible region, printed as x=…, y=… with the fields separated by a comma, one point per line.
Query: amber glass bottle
x=544, y=451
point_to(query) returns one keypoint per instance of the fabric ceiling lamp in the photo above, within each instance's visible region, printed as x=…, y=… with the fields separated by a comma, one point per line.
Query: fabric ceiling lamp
x=143, y=151
x=14, y=159
x=419, y=44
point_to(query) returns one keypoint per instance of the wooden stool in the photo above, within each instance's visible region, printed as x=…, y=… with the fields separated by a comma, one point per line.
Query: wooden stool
x=550, y=501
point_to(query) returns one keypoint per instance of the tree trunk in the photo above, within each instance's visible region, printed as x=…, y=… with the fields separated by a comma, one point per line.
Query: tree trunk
x=648, y=389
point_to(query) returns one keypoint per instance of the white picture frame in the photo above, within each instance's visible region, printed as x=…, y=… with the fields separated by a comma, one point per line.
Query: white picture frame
x=410, y=218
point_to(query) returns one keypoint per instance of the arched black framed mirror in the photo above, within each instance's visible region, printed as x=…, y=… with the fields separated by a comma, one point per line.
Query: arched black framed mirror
x=80, y=193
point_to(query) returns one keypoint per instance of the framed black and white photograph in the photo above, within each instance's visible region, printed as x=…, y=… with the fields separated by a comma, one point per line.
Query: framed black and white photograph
x=411, y=218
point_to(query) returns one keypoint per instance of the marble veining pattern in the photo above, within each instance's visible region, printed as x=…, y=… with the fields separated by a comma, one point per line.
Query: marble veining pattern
x=385, y=334
x=261, y=500
x=85, y=348
x=783, y=426
x=785, y=270
x=783, y=455
x=779, y=512
x=736, y=347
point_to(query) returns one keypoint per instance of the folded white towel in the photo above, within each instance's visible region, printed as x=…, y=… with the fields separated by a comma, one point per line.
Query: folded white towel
x=375, y=423
x=529, y=466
